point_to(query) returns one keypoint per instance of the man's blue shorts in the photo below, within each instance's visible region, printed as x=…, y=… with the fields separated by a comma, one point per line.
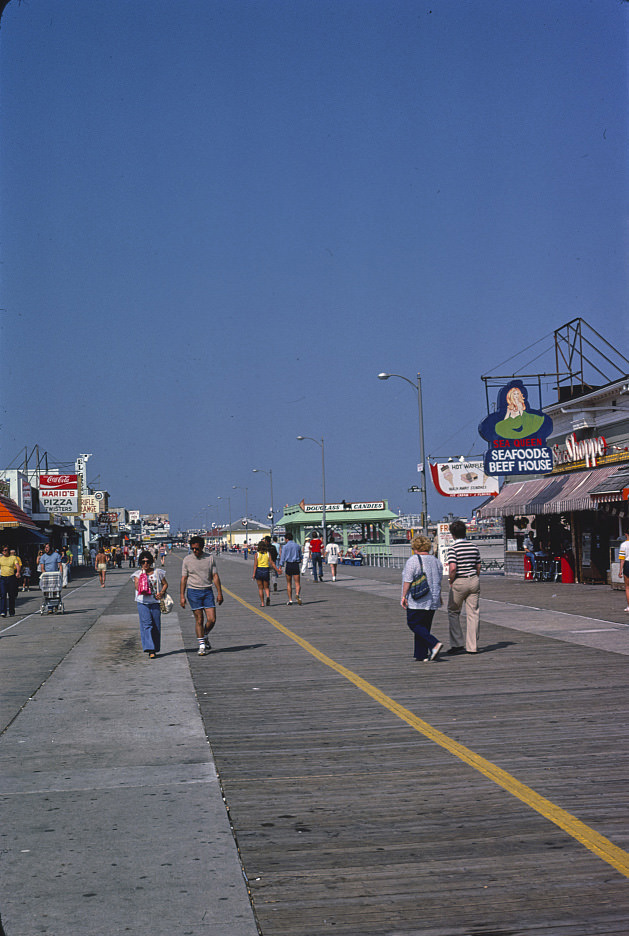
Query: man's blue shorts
x=201, y=598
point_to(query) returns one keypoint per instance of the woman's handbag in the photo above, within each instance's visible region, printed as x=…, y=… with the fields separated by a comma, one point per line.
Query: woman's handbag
x=419, y=586
x=166, y=604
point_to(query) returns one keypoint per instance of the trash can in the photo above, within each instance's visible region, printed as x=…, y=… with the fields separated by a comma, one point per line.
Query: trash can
x=567, y=572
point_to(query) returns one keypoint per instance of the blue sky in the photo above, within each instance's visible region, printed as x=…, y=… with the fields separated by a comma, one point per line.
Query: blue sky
x=221, y=220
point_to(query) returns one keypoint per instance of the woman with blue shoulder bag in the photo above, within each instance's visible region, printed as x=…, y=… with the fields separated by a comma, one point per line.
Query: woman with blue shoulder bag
x=421, y=596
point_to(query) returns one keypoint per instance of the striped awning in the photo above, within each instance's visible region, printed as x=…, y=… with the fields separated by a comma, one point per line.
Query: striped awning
x=551, y=495
x=13, y=516
x=610, y=490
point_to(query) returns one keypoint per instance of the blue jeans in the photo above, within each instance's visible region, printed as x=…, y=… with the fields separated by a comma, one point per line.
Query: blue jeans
x=317, y=561
x=150, y=627
x=420, y=622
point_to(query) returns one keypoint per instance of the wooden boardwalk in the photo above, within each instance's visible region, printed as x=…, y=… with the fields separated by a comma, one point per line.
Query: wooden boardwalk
x=349, y=819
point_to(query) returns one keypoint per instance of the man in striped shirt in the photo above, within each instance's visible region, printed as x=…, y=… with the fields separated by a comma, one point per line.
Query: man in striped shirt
x=463, y=574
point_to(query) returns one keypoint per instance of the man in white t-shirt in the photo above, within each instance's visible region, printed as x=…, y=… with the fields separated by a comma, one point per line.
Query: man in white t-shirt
x=332, y=557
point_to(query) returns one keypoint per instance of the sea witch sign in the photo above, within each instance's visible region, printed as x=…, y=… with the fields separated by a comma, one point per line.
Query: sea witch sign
x=517, y=435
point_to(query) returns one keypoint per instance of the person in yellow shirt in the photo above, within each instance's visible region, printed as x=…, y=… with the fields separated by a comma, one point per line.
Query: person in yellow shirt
x=10, y=566
x=262, y=566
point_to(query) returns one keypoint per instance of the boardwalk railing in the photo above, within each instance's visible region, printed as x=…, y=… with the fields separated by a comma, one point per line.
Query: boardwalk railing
x=385, y=561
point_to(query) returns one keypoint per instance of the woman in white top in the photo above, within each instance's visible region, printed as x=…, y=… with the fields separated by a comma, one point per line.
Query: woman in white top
x=332, y=557
x=420, y=611
x=305, y=562
x=149, y=604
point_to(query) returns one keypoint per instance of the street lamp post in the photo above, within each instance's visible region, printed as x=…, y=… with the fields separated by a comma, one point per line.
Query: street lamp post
x=418, y=388
x=207, y=522
x=270, y=474
x=237, y=487
x=229, y=505
x=322, y=447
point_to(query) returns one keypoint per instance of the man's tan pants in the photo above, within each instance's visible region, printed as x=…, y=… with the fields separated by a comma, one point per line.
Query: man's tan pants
x=464, y=591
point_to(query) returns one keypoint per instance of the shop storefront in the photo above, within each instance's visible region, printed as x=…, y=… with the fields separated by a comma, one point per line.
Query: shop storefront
x=364, y=524
x=574, y=517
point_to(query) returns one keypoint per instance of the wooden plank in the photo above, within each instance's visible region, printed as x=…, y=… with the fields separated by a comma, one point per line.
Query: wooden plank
x=348, y=820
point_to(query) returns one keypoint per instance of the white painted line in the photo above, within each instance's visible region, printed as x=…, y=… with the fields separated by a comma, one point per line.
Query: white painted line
x=551, y=611
x=597, y=630
x=67, y=596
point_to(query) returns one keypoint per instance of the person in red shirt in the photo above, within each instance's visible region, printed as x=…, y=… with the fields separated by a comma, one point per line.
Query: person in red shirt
x=316, y=547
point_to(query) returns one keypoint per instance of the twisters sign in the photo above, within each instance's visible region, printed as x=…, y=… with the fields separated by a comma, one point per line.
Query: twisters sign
x=59, y=493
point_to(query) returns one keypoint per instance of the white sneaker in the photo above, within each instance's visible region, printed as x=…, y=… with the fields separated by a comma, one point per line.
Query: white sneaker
x=289, y=602
x=202, y=649
x=434, y=653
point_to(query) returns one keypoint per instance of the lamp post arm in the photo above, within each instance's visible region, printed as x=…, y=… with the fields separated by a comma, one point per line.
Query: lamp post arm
x=272, y=508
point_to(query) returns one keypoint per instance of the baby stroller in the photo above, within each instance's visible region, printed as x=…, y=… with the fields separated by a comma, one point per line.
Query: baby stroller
x=50, y=584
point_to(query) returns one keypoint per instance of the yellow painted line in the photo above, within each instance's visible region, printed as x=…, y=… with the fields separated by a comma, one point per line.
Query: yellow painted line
x=596, y=843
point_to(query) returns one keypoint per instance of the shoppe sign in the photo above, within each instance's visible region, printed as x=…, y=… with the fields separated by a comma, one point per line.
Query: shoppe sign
x=517, y=435
x=59, y=493
x=588, y=451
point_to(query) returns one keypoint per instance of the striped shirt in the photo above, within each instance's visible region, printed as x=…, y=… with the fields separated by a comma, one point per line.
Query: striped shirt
x=466, y=557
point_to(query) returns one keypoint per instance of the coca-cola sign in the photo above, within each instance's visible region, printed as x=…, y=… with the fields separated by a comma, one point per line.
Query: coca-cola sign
x=58, y=482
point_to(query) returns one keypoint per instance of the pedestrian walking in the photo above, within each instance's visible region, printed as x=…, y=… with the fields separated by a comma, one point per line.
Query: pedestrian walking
x=623, y=556
x=306, y=557
x=316, y=546
x=50, y=560
x=262, y=565
x=464, y=577
x=274, y=553
x=101, y=566
x=9, y=583
x=422, y=573
x=198, y=574
x=332, y=557
x=290, y=557
x=65, y=568
x=150, y=587
x=26, y=576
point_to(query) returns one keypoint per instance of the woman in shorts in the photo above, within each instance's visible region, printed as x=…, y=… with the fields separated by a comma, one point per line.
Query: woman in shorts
x=262, y=565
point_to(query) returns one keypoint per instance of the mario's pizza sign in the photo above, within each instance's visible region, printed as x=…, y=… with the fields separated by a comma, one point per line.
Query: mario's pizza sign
x=59, y=493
